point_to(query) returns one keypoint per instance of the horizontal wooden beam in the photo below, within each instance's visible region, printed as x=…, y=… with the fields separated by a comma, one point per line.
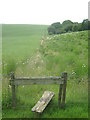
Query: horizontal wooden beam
x=37, y=80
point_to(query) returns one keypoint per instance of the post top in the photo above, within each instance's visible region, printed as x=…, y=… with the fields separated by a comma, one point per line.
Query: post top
x=64, y=74
x=12, y=75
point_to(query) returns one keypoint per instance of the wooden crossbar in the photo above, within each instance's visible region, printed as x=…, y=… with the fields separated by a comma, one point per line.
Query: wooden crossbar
x=37, y=80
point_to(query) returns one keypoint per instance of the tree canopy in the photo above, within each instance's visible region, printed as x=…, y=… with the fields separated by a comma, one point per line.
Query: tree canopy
x=68, y=26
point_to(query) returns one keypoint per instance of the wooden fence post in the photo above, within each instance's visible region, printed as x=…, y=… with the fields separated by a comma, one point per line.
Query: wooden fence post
x=60, y=94
x=62, y=90
x=13, y=91
x=64, y=75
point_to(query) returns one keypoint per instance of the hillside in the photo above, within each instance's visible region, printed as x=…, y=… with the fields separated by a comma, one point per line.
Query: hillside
x=58, y=53
x=20, y=42
x=66, y=52
x=30, y=51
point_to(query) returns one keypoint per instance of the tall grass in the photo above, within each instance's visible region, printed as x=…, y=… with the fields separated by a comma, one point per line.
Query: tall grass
x=35, y=55
x=20, y=42
x=10, y=67
x=67, y=52
x=76, y=102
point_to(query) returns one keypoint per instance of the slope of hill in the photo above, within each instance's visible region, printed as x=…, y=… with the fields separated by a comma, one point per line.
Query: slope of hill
x=66, y=52
x=55, y=54
x=20, y=42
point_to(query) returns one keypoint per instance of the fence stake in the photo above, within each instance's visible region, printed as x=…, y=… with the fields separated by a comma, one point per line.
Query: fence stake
x=13, y=91
x=64, y=75
x=60, y=94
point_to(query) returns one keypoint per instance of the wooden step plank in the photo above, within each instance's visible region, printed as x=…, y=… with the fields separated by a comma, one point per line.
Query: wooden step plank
x=43, y=102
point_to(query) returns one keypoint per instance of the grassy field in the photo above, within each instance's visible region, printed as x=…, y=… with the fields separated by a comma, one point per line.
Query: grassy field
x=29, y=51
x=20, y=42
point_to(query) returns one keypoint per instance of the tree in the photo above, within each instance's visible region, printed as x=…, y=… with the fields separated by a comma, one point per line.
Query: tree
x=67, y=25
x=51, y=30
x=88, y=25
x=55, y=28
x=79, y=26
x=85, y=24
x=75, y=27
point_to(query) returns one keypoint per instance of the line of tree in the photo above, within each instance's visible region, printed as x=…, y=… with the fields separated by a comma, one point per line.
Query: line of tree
x=68, y=26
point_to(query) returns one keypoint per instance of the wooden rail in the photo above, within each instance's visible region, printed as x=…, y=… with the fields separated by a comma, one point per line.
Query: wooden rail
x=37, y=80
x=62, y=81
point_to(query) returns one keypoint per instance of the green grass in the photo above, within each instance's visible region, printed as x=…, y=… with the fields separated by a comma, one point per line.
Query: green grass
x=29, y=51
x=20, y=42
x=76, y=102
x=67, y=52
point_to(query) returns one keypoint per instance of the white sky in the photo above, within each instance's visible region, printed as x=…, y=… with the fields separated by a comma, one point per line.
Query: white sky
x=42, y=11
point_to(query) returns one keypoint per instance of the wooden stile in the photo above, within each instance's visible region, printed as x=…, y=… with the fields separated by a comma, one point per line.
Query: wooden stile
x=62, y=81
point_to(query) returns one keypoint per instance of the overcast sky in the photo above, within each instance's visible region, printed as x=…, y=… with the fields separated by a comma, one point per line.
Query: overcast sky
x=42, y=11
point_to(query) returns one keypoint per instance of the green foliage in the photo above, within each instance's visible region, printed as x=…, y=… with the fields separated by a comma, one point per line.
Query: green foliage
x=56, y=25
x=55, y=28
x=85, y=24
x=79, y=26
x=51, y=30
x=88, y=25
x=75, y=27
x=68, y=26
